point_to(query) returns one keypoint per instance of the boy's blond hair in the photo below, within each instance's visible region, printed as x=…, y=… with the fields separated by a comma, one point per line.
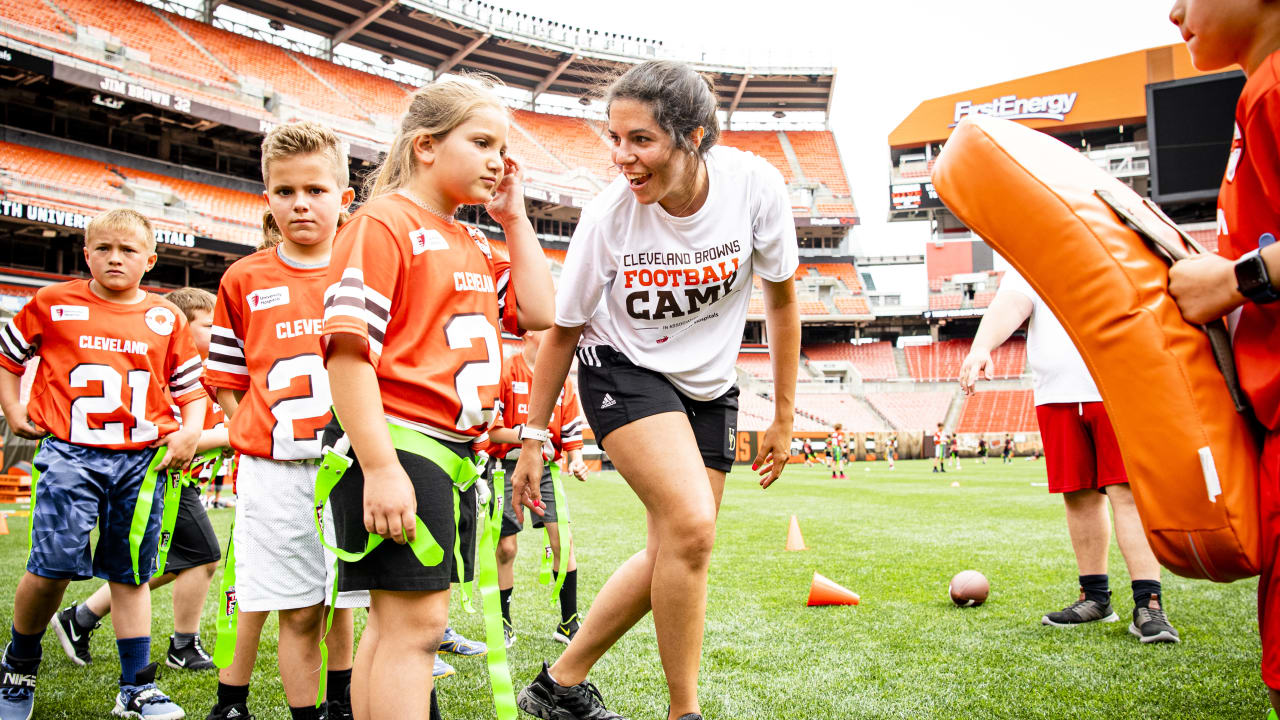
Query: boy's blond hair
x=122, y=219
x=301, y=138
x=435, y=110
x=191, y=301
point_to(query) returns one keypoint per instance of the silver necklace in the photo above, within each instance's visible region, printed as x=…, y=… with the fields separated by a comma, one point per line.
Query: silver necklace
x=426, y=206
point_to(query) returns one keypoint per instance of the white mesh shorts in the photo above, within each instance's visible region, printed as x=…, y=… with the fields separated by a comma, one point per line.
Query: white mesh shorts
x=280, y=563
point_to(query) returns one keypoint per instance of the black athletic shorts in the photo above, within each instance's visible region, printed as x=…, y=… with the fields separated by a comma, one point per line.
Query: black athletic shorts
x=391, y=566
x=614, y=392
x=511, y=526
x=194, y=541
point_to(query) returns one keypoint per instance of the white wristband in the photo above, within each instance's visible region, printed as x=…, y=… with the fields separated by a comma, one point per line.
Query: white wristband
x=532, y=433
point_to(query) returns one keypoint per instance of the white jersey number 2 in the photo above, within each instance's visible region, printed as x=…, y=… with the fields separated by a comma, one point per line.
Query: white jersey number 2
x=285, y=443
x=461, y=331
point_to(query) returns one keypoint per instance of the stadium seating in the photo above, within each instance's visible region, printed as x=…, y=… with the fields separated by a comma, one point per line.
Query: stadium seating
x=241, y=210
x=995, y=411
x=531, y=155
x=946, y=301
x=831, y=408
x=874, y=361
x=913, y=410
x=756, y=364
x=819, y=159
x=36, y=15
x=574, y=141
x=836, y=209
x=851, y=305
x=374, y=93
x=60, y=173
x=847, y=273
x=139, y=27
x=942, y=360
x=813, y=307
x=764, y=143
x=756, y=305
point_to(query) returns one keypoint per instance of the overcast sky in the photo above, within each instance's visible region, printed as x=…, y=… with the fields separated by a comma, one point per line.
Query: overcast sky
x=889, y=56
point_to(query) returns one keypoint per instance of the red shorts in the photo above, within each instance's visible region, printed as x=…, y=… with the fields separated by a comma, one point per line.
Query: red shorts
x=1080, y=448
x=1269, y=583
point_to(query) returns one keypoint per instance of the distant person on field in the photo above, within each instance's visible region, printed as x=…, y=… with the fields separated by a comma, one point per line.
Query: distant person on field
x=982, y=450
x=807, y=448
x=1084, y=461
x=835, y=444
x=939, y=450
x=955, y=452
x=1241, y=281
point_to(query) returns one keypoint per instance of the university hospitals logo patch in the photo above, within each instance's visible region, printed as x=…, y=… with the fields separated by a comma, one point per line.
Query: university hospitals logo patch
x=268, y=298
x=423, y=240
x=160, y=320
x=69, y=312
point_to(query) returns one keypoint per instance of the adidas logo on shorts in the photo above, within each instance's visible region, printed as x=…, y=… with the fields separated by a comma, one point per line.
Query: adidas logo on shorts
x=608, y=401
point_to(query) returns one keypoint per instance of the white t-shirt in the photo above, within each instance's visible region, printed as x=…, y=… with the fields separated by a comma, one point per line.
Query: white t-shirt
x=1059, y=373
x=671, y=293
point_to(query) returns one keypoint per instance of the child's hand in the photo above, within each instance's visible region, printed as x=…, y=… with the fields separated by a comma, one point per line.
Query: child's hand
x=22, y=425
x=390, y=504
x=1204, y=286
x=578, y=469
x=182, y=447
x=507, y=204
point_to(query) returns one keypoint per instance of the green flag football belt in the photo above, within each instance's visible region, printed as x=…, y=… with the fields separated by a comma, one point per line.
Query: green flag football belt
x=141, y=509
x=546, y=570
x=464, y=474
x=174, y=483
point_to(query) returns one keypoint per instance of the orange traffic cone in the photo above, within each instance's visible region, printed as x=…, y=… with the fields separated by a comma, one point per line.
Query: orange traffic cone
x=825, y=592
x=4, y=523
x=795, y=541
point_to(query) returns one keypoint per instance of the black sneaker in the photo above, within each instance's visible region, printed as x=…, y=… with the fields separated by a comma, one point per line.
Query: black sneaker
x=231, y=712
x=191, y=657
x=508, y=633
x=545, y=699
x=338, y=710
x=566, y=631
x=1080, y=612
x=72, y=636
x=1150, y=624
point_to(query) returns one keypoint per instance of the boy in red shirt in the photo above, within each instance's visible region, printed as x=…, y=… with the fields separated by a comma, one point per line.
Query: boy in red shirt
x=1242, y=280
x=112, y=359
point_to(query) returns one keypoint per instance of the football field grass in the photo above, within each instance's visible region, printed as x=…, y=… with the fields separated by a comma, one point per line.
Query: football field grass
x=896, y=538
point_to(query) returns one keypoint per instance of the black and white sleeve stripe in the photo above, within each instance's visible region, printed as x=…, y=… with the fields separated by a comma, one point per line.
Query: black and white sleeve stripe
x=352, y=298
x=226, y=352
x=572, y=430
x=501, y=286
x=186, y=377
x=14, y=346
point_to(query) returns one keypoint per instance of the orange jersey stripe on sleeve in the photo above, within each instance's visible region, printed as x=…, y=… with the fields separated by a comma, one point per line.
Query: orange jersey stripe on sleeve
x=428, y=298
x=108, y=371
x=265, y=342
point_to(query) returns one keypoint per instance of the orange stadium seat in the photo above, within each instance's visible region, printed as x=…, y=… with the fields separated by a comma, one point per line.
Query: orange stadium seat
x=232, y=206
x=874, y=361
x=813, y=307
x=756, y=305
x=374, y=93
x=942, y=360
x=847, y=273
x=139, y=26
x=764, y=143
x=913, y=410
x=60, y=172
x=530, y=154
x=993, y=411
x=251, y=58
x=836, y=209
x=945, y=301
x=820, y=159
x=831, y=408
x=36, y=15
x=574, y=141
x=852, y=305
x=756, y=364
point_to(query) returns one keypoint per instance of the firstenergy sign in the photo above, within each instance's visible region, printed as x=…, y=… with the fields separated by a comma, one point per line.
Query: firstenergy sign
x=1012, y=107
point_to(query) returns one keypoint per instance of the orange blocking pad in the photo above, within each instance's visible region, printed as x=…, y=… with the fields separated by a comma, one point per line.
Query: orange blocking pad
x=1190, y=457
x=824, y=591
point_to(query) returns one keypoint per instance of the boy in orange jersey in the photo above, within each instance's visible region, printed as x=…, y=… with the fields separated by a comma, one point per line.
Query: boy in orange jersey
x=112, y=358
x=1242, y=280
x=566, y=437
x=264, y=361
x=194, y=551
x=835, y=450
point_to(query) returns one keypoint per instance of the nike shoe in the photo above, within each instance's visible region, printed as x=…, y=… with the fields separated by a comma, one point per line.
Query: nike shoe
x=455, y=644
x=508, y=633
x=1150, y=624
x=545, y=699
x=191, y=657
x=566, y=630
x=72, y=636
x=1080, y=612
x=442, y=669
x=17, y=687
x=239, y=711
x=145, y=701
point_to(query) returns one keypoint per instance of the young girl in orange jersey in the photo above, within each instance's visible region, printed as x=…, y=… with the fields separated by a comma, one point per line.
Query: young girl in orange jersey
x=265, y=362
x=412, y=315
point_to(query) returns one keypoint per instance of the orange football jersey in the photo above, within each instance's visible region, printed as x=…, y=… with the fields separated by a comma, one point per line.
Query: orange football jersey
x=264, y=342
x=108, y=371
x=1249, y=218
x=427, y=296
x=513, y=408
